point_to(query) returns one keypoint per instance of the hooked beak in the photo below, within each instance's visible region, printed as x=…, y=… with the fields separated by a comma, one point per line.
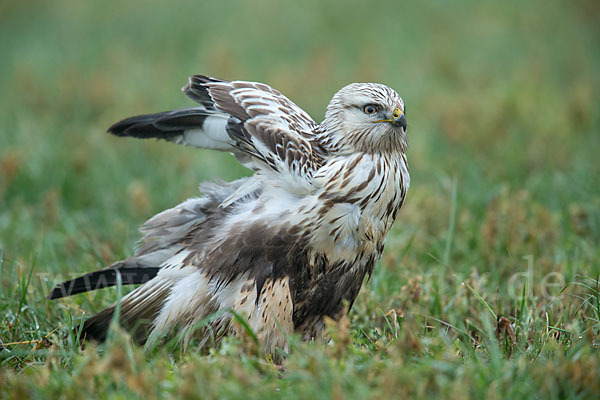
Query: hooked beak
x=398, y=119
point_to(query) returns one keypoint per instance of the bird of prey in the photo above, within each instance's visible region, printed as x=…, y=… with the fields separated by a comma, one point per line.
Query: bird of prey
x=284, y=248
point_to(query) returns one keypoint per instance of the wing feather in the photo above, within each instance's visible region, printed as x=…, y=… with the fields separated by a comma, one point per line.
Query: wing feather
x=259, y=125
x=265, y=125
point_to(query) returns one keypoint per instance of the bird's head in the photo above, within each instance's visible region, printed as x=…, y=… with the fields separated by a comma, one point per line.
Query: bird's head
x=367, y=117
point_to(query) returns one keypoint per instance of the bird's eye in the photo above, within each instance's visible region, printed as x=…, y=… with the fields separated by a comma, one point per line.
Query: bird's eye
x=370, y=109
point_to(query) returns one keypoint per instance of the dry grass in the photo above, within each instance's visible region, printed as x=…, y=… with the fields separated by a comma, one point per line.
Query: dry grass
x=488, y=287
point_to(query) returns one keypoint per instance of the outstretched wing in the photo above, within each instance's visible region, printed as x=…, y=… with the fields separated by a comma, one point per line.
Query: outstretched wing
x=265, y=124
x=263, y=128
x=195, y=127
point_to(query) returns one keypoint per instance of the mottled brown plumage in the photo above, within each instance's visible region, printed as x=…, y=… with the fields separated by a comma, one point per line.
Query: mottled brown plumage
x=284, y=248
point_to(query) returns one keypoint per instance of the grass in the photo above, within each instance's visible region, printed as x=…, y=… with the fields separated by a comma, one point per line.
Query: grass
x=488, y=287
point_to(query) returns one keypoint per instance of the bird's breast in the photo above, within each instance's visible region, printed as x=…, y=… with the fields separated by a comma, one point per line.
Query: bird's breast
x=358, y=204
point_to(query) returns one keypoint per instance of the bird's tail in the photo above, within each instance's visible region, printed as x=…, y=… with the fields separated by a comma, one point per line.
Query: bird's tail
x=136, y=312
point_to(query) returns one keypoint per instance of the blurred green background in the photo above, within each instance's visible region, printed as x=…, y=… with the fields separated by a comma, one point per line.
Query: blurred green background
x=504, y=122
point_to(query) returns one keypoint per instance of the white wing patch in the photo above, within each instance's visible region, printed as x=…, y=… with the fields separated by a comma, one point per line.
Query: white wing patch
x=212, y=135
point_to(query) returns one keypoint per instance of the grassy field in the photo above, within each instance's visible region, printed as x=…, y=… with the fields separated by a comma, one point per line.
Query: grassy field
x=488, y=287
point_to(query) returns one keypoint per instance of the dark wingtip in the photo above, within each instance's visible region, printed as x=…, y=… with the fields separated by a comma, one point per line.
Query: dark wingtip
x=56, y=293
x=118, y=128
x=140, y=126
x=199, y=79
x=103, y=279
x=197, y=90
x=196, y=82
x=67, y=289
x=164, y=125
